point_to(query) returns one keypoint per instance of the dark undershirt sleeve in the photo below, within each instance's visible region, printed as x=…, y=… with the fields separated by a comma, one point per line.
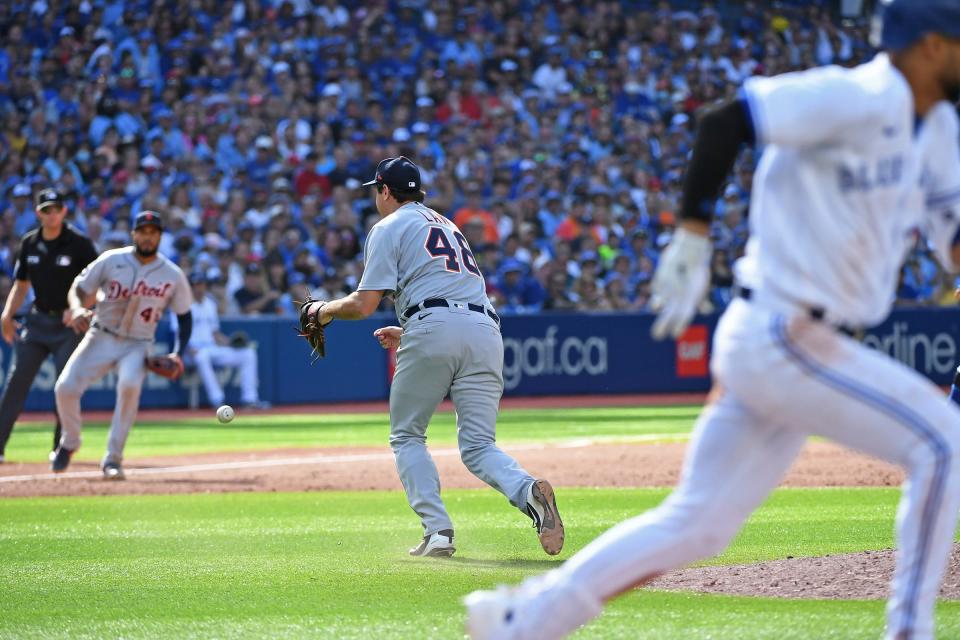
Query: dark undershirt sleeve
x=721, y=133
x=184, y=329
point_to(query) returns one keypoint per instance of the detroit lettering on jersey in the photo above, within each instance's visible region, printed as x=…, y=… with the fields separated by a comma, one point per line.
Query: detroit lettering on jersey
x=418, y=254
x=116, y=290
x=132, y=297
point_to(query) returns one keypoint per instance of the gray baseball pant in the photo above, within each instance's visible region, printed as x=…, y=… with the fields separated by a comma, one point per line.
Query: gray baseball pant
x=99, y=352
x=459, y=352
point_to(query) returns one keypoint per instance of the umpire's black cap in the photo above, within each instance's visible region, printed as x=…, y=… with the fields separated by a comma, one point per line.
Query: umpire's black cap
x=400, y=174
x=147, y=218
x=49, y=197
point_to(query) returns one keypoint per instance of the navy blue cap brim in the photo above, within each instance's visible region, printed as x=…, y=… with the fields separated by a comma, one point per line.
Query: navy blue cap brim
x=369, y=184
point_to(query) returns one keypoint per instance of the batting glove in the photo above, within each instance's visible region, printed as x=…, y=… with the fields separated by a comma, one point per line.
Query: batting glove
x=680, y=282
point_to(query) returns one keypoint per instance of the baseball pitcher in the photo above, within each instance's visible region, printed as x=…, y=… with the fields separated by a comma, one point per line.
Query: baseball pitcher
x=854, y=161
x=132, y=287
x=449, y=342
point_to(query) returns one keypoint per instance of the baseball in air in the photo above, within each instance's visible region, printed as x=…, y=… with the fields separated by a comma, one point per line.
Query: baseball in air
x=225, y=413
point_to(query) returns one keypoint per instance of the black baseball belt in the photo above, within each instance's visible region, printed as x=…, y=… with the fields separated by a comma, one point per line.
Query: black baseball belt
x=815, y=313
x=431, y=303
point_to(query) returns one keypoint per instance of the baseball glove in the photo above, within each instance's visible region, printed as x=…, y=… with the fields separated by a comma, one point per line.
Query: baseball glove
x=169, y=366
x=310, y=328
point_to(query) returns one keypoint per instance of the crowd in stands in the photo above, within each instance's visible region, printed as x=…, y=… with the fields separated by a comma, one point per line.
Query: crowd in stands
x=553, y=133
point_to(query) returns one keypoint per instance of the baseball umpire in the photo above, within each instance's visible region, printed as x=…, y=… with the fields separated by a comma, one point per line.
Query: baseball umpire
x=449, y=343
x=50, y=258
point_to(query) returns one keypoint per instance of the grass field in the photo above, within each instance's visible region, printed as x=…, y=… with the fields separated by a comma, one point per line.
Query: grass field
x=334, y=565
x=257, y=432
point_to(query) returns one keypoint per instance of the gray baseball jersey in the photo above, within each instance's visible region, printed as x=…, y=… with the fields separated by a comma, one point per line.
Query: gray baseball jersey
x=132, y=297
x=417, y=254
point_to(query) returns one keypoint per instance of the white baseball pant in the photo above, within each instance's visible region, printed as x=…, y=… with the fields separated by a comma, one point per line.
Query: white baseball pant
x=245, y=359
x=783, y=376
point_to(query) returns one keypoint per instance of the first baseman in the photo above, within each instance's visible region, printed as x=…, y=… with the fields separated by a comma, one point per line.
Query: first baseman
x=854, y=161
x=449, y=342
x=50, y=258
x=132, y=288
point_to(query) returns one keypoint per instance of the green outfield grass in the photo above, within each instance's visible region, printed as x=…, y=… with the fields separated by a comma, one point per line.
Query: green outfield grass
x=334, y=565
x=31, y=442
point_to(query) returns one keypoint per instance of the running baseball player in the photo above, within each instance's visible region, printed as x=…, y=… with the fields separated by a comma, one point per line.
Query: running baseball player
x=50, y=258
x=449, y=342
x=854, y=160
x=132, y=287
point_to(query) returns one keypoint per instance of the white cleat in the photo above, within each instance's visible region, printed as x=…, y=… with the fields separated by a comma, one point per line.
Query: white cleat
x=539, y=609
x=492, y=615
x=435, y=545
x=113, y=471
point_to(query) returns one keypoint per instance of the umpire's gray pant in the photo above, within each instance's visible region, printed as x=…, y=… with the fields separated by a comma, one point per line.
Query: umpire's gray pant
x=460, y=352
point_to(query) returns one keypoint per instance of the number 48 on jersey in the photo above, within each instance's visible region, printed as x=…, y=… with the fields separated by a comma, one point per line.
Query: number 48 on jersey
x=438, y=245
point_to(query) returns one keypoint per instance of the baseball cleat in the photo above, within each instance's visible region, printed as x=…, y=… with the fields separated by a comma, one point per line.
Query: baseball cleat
x=61, y=460
x=539, y=609
x=542, y=509
x=492, y=615
x=113, y=471
x=435, y=545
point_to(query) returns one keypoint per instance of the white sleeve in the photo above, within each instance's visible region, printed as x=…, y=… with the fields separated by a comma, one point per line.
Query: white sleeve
x=942, y=185
x=806, y=108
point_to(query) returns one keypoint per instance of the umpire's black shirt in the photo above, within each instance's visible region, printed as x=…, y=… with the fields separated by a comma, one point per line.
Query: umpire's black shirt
x=51, y=265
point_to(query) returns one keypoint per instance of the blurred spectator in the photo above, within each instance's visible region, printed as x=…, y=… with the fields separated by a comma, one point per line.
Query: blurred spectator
x=518, y=292
x=254, y=297
x=544, y=129
x=472, y=211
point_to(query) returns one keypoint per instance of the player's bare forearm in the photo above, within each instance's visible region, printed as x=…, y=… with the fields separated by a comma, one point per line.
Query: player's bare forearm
x=8, y=326
x=356, y=306
x=77, y=298
x=18, y=293
x=955, y=257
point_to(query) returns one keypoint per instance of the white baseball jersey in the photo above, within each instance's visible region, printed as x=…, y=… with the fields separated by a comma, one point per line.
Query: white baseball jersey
x=846, y=176
x=417, y=254
x=132, y=297
x=206, y=322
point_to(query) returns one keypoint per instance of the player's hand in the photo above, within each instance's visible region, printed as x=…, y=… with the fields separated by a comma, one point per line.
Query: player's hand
x=682, y=277
x=389, y=337
x=10, y=328
x=78, y=319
